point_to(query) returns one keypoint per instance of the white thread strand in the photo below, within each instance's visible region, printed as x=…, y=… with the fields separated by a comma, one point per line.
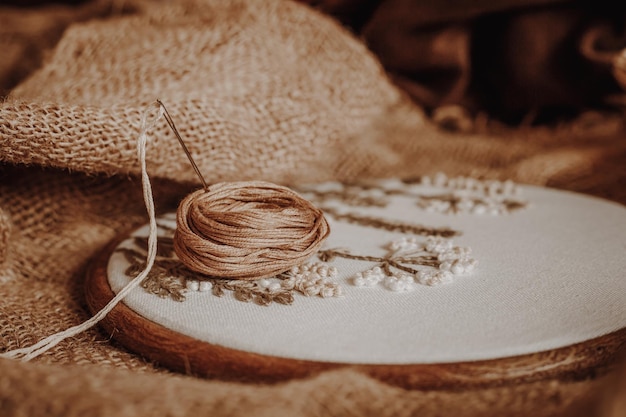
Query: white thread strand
x=28, y=353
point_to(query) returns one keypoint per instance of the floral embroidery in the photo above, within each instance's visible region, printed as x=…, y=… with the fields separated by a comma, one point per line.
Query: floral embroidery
x=169, y=278
x=409, y=262
x=308, y=279
x=460, y=195
x=472, y=196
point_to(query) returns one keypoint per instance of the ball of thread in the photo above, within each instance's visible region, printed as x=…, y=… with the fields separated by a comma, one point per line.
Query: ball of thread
x=247, y=230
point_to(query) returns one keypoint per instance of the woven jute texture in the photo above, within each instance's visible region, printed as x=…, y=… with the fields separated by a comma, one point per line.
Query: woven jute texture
x=260, y=90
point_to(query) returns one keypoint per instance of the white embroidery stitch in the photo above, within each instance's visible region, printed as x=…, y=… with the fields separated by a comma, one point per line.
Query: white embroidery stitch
x=408, y=262
x=471, y=196
x=313, y=279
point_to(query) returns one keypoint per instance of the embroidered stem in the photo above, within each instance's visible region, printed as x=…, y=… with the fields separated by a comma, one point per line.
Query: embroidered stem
x=329, y=254
x=391, y=225
x=399, y=266
x=385, y=261
x=350, y=196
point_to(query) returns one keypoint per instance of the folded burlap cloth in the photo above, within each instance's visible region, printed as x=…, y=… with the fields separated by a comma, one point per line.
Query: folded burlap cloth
x=267, y=90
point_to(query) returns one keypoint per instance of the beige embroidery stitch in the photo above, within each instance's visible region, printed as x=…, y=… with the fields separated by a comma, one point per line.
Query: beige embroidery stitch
x=169, y=278
x=390, y=225
x=166, y=277
x=358, y=195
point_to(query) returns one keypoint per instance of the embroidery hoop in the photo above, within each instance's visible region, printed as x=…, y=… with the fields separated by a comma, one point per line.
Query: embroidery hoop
x=188, y=354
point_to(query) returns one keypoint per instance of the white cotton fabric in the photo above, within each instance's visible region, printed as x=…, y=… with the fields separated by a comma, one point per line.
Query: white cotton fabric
x=548, y=276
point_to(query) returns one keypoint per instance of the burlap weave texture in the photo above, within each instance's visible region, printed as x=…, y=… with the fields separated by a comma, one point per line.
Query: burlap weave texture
x=252, y=97
x=266, y=90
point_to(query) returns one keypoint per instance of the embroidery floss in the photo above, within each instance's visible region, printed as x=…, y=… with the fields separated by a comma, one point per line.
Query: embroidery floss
x=247, y=230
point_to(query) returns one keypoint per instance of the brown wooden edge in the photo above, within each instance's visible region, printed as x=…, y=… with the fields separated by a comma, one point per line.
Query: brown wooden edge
x=186, y=354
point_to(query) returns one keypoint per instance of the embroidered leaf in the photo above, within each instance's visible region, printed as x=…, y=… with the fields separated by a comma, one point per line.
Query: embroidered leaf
x=218, y=289
x=163, y=286
x=165, y=247
x=243, y=294
x=263, y=299
x=285, y=298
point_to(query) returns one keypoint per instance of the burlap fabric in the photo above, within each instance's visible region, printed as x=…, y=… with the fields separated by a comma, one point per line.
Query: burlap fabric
x=268, y=90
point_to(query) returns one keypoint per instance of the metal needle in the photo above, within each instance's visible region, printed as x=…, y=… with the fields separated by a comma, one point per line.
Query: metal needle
x=170, y=122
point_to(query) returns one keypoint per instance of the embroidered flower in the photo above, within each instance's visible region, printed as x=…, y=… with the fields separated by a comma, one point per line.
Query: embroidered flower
x=459, y=266
x=314, y=279
x=454, y=253
x=432, y=277
x=404, y=244
x=400, y=282
x=369, y=277
x=409, y=262
x=438, y=244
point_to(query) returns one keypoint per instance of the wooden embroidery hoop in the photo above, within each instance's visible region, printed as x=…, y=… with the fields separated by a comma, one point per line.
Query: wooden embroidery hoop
x=202, y=358
x=194, y=357
x=186, y=354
